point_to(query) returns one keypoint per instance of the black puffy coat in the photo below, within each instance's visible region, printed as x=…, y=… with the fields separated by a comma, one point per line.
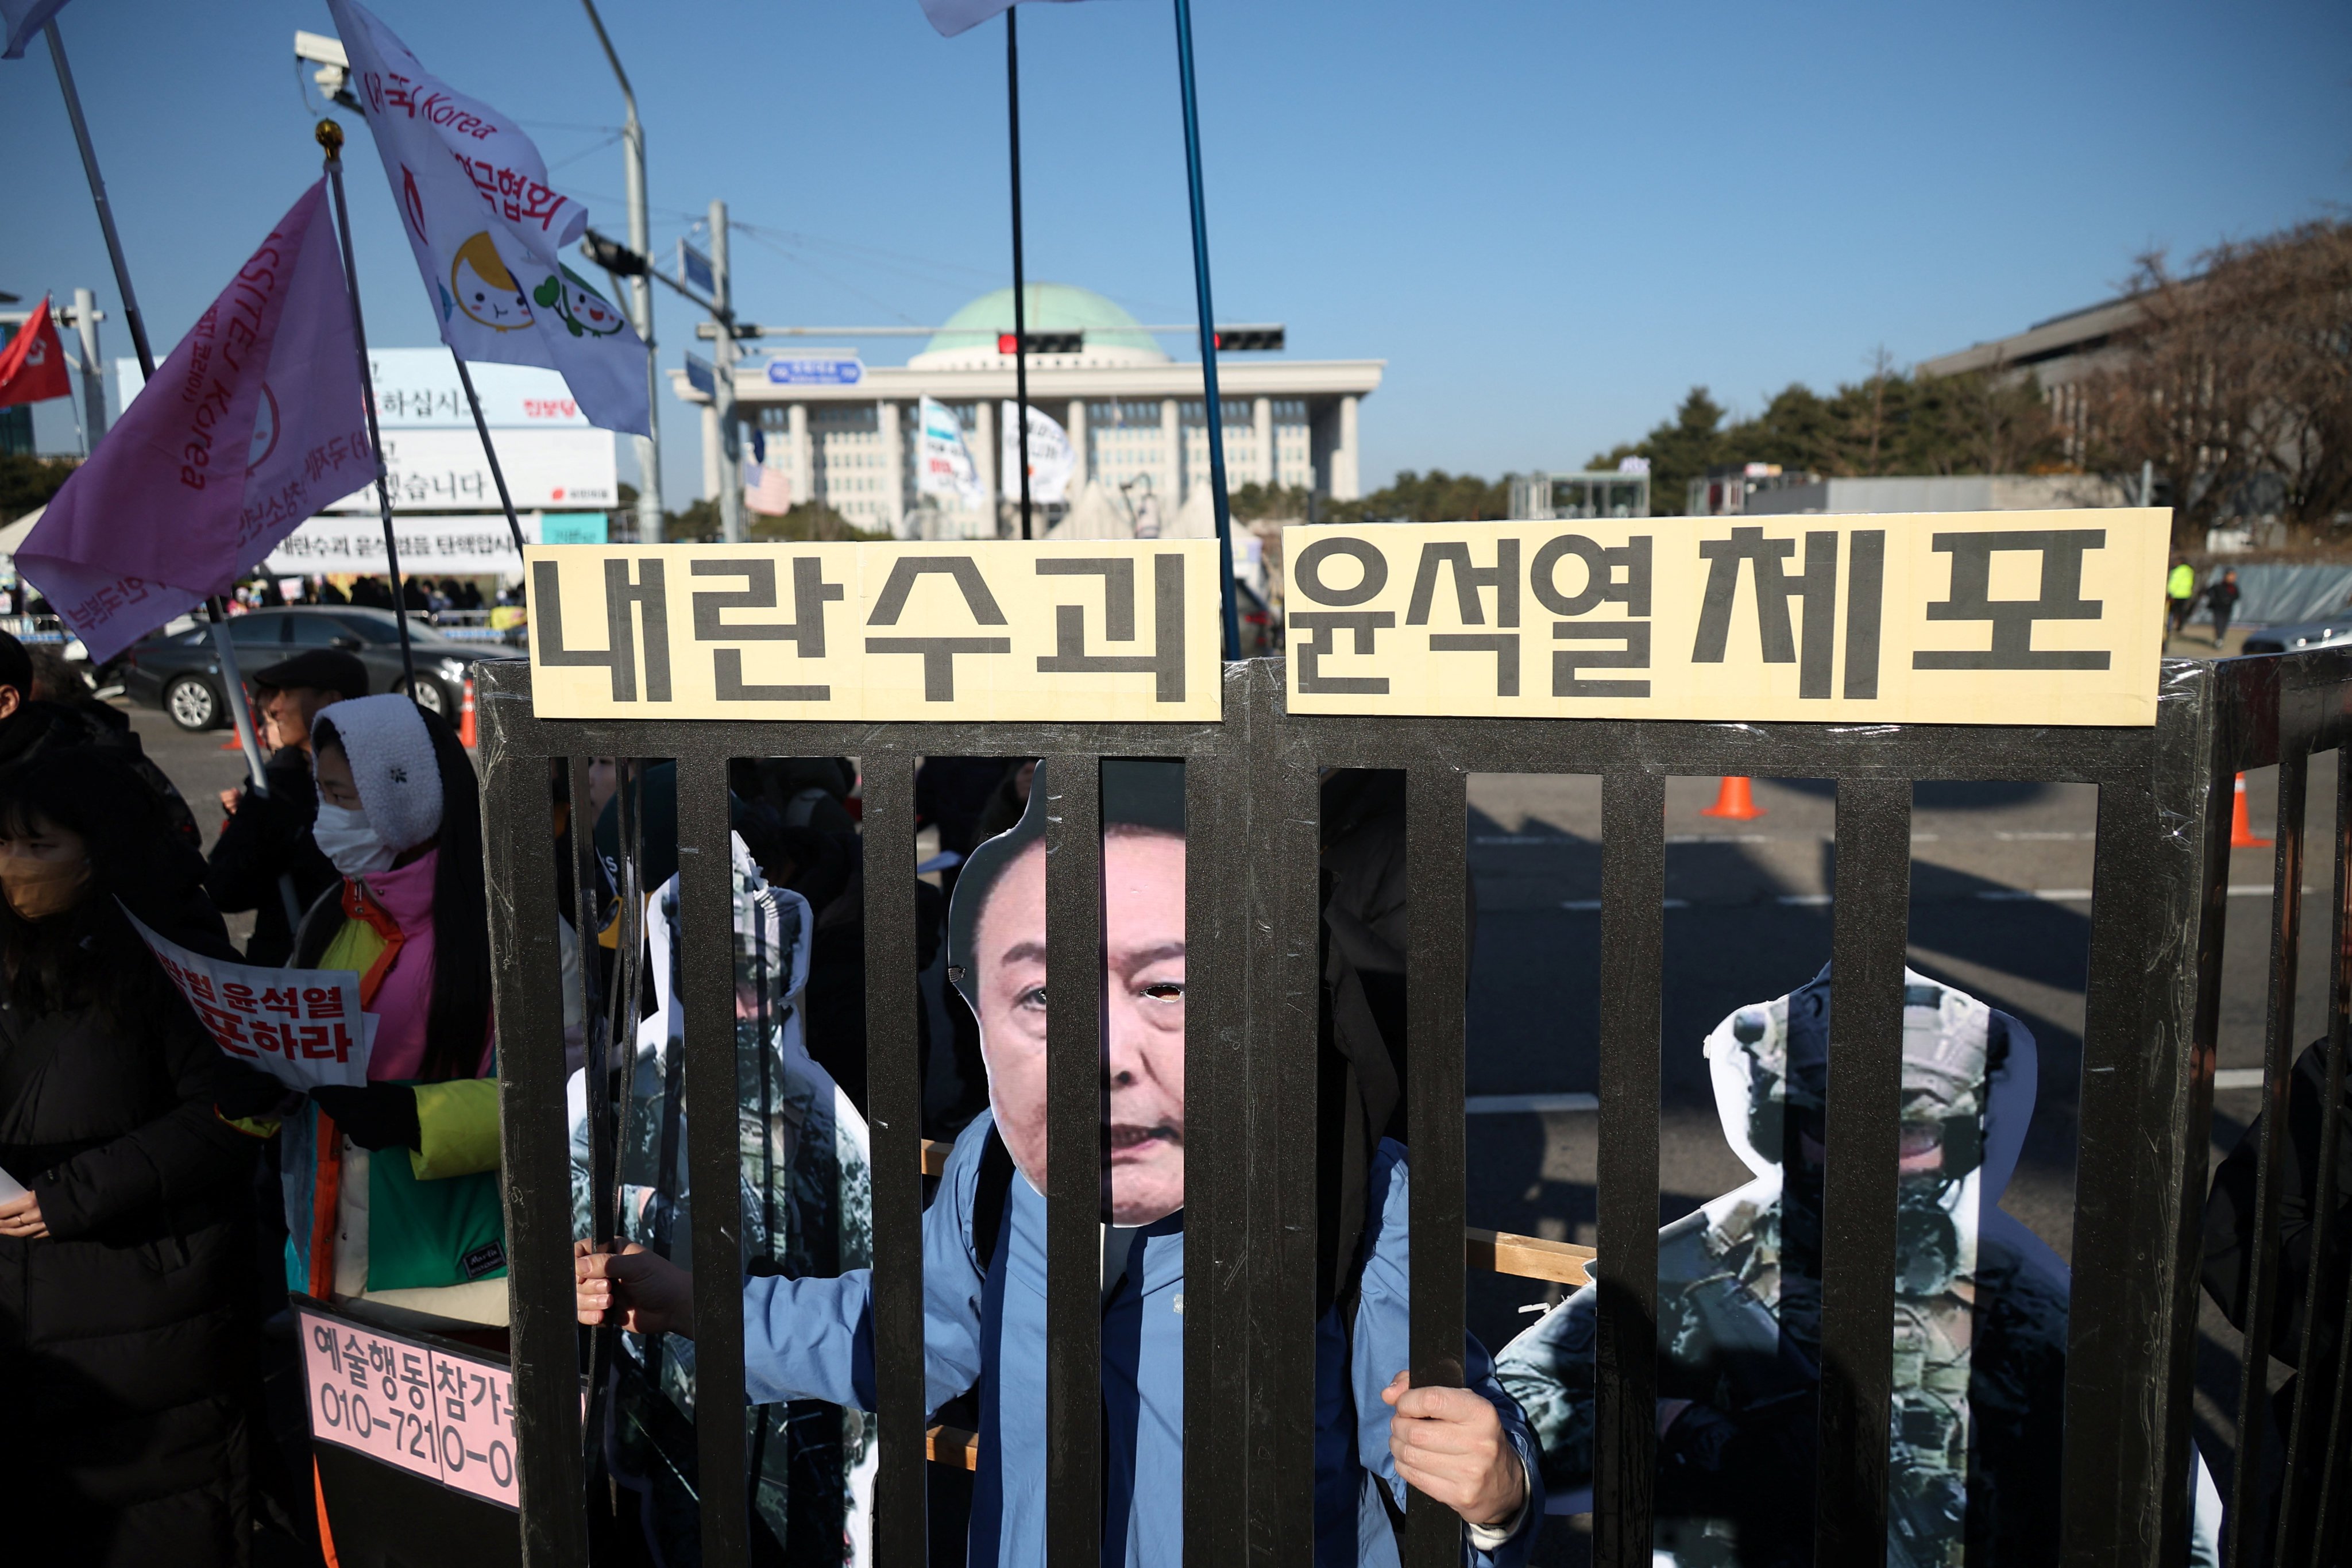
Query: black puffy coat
x=124, y=1333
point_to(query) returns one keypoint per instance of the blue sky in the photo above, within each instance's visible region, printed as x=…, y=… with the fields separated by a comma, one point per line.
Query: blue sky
x=1550, y=220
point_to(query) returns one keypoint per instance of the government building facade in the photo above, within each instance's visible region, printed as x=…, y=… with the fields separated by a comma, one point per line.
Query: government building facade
x=846, y=434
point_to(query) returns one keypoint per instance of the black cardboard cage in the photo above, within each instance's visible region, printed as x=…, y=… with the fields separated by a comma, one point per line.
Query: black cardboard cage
x=2160, y=886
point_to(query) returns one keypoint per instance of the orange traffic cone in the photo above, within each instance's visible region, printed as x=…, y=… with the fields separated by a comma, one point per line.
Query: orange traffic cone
x=1735, y=801
x=467, y=735
x=2241, y=826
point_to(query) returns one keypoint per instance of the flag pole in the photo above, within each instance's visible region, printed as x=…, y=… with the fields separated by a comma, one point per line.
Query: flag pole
x=330, y=137
x=240, y=712
x=482, y=427
x=1208, y=329
x=1020, y=292
x=137, y=323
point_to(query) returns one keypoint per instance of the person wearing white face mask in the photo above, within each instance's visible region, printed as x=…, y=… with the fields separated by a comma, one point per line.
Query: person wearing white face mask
x=392, y=1193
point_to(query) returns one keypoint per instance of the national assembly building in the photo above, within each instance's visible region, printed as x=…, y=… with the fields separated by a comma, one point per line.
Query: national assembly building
x=848, y=434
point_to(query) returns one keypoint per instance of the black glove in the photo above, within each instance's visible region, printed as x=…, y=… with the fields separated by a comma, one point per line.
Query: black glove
x=244, y=1092
x=373, y=1116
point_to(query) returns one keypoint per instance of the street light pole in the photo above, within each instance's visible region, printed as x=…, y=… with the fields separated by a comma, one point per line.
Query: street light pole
x=641, y=293
x=722, y=389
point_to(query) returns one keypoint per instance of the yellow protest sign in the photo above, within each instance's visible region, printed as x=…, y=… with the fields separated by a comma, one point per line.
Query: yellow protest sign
x=1092, y=630
x=2013, y=617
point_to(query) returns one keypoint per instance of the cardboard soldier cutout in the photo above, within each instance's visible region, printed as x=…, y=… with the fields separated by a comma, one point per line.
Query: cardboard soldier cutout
x=805, y=1199
x=1977, y=1419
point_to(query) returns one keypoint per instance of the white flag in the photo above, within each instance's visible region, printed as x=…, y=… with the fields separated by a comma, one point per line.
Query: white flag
x=952, y=16
x=943, y=465
x=487, y=231
x=1051, y=459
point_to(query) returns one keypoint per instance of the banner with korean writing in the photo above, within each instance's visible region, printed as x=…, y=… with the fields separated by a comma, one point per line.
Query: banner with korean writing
x=2013, y=617
x=435, y=470
x=302, y=1026
x=1085, y=630
x=442, y=1414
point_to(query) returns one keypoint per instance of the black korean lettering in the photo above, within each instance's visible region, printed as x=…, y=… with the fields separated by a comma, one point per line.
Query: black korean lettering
x=1503, y=646
x=1166, y=660
x=1566, y=662
x=1306, y=576
x=2061, y=599
x=962, y=569
x=1816, y=585
x=1503, y=577
x=811, y=594
x=1866, y=587
x=937, y=653
x=939, y=658
x=1322, y=626
x=1602, y=584
x=619, y=653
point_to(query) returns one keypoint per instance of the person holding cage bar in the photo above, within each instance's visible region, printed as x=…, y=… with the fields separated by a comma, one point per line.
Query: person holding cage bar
x=984, y=1263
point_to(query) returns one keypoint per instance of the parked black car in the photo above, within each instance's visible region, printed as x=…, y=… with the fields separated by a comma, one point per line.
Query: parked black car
x=2302, y=635
x=180, y=672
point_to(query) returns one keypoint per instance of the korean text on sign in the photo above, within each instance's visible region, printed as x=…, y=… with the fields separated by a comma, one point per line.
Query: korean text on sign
x=302, y=1026
x=1945, y=618
x=444, y=1417
x=1099, y=630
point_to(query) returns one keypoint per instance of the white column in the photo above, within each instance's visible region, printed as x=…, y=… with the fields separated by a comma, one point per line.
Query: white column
x=710, y=446
x=1077, y=430
x=1346, y=485
x=894, y=471
x=1262, y=432
x=803, y=459
x=1170, y=483
x=983, y=453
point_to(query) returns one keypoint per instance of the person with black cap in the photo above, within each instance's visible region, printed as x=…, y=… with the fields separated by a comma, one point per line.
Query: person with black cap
x=266, y=842
x=984, y=1263
x=30, y=728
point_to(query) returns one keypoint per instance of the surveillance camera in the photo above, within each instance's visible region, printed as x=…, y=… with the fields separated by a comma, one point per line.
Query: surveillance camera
x=334, y=66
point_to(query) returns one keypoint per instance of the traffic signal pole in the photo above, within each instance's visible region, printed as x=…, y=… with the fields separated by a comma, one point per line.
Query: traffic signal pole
x=722, y=388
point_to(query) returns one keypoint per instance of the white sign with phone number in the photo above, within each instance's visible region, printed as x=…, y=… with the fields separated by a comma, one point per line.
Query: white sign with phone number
x=446, y=1417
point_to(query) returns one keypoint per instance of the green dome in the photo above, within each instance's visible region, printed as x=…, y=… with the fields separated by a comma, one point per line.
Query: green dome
x=1051, y=308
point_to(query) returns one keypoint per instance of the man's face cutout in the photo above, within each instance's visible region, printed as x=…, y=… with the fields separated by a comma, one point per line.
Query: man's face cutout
x=1143, y=1018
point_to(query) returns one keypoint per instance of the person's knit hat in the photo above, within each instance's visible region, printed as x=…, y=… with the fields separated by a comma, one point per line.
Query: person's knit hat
x=393, y=763
x=320, y=669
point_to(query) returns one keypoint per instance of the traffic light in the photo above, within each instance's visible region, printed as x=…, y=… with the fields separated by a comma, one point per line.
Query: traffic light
x=1247, y=340
x=1043, y=342
x=612, y=255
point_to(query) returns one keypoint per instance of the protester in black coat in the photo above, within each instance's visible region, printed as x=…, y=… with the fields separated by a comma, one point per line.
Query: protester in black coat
x=30, y=729
x=125, y=1341
x=267, y=842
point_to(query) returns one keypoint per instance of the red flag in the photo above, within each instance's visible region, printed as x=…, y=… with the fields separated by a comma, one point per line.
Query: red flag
x=33, y=365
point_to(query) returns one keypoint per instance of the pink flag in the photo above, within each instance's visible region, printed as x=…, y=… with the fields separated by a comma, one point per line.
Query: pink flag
x=255, y=422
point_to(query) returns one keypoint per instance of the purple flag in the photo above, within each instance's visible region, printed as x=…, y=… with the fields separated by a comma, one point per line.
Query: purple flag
x=255, y=422
x=24, y=18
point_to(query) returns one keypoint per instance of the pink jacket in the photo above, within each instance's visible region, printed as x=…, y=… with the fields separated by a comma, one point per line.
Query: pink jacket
x=402, y=1000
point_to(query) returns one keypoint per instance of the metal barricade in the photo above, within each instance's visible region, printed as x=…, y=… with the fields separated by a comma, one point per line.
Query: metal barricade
x=2159, y=885
x=2281, y=712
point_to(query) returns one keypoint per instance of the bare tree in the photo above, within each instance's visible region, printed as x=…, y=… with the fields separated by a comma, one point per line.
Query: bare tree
x=2236, y=383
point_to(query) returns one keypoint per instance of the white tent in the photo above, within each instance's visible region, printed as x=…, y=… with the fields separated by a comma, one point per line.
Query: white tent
x=1196, y=519
x=12, y=538
x=1092, y=515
